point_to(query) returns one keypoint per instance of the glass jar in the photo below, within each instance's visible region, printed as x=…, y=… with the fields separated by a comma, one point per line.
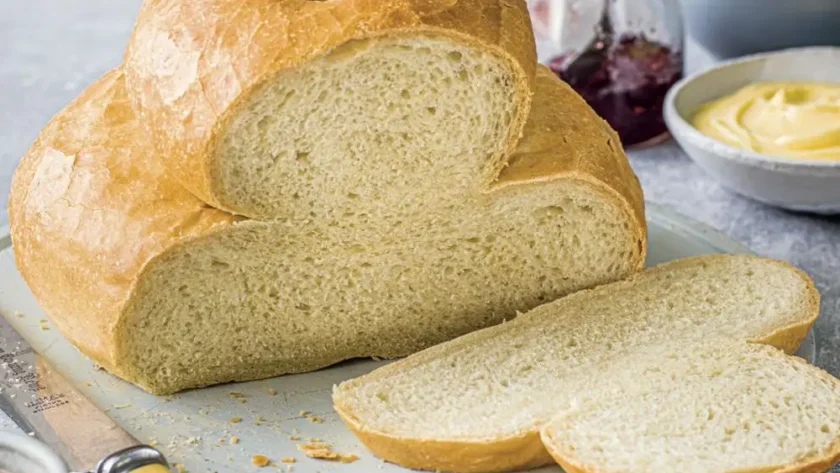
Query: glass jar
x=622, y=56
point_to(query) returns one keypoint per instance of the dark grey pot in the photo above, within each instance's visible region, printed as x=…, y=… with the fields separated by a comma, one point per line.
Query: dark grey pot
x=730, y=28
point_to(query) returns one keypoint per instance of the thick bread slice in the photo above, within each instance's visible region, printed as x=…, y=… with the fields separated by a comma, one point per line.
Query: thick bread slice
x=170, y=293
x=726, y=407
x=477, y=403
x=282, y=109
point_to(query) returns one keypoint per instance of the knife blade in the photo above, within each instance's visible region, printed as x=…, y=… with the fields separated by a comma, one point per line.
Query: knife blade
x=46, y=406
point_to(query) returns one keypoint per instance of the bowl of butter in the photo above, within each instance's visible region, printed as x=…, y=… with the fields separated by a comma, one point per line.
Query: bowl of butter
x=766, y=126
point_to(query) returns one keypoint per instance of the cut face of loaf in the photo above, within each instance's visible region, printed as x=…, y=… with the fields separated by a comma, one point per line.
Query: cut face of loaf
x=260, y=299
x=726, y=407
x=169, y=293
x=477, y=403
x=373, y=108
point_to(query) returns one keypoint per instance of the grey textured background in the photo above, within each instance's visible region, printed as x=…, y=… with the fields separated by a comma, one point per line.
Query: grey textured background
x=51, y=49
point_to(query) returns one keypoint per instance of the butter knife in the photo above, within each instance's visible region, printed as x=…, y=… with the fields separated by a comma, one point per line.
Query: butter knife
x=47, y=407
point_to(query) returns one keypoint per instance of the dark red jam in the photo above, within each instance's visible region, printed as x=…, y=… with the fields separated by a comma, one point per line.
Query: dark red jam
x=625, y=82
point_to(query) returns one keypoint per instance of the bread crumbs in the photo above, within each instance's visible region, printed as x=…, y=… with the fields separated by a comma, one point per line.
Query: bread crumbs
x=235, y=420
x=323, y=451
x=315, y=419
x=288, y=459
x=294, y=437
x=180, y=468
x=260, y=460
x=234, y=440
x=272, y=392
x=303, y=413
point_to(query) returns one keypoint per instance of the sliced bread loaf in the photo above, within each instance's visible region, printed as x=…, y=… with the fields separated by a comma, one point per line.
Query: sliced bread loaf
x=286, y=109
x=719, y=407
x=170, y=293
x=477, y=403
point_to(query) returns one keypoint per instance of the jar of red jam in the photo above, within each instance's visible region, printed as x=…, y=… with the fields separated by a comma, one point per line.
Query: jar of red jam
x=621, y=56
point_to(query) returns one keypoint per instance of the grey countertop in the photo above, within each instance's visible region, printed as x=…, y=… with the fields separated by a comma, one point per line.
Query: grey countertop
x=51, y=49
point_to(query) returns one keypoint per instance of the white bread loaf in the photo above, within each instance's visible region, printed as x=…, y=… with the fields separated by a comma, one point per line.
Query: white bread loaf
x=169, y=293
x=478, y=403
x=282, y=109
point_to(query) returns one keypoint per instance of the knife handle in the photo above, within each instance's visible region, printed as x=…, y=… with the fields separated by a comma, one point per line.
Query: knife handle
x=138, y=459
x=153, y=468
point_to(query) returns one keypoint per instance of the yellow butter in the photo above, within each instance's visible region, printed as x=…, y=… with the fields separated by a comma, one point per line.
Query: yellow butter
x=790, y=119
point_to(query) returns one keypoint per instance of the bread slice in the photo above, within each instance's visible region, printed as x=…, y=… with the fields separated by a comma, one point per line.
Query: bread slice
x=726, y=406
x=477, y=403
x=286, y=109
x=170, y=293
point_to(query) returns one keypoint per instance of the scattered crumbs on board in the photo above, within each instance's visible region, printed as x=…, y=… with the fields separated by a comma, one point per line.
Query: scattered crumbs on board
x=192, y=441
x=234, y=440
x=241, y=400
x=315, y=419
x=236, y=395
x=121, y=406
x=260, y=460
x=235, y=420
x=88, y=384
x=323, y=451
x=19, y=314
x=179, y=468
x=288, y=459
x=43, y=321
x=294, y=437
x=303, y=413
x=44, y=327
x=272, y=392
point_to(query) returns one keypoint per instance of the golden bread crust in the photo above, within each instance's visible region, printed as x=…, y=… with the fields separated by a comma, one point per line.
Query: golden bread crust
x=89, y=207
x=188, y=63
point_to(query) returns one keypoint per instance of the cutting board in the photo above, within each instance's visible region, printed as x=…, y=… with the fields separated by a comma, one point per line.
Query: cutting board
x=196, y=429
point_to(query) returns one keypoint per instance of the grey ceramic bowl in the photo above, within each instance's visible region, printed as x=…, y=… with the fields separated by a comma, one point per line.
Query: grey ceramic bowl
x=730, y=28
x=795, y=184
